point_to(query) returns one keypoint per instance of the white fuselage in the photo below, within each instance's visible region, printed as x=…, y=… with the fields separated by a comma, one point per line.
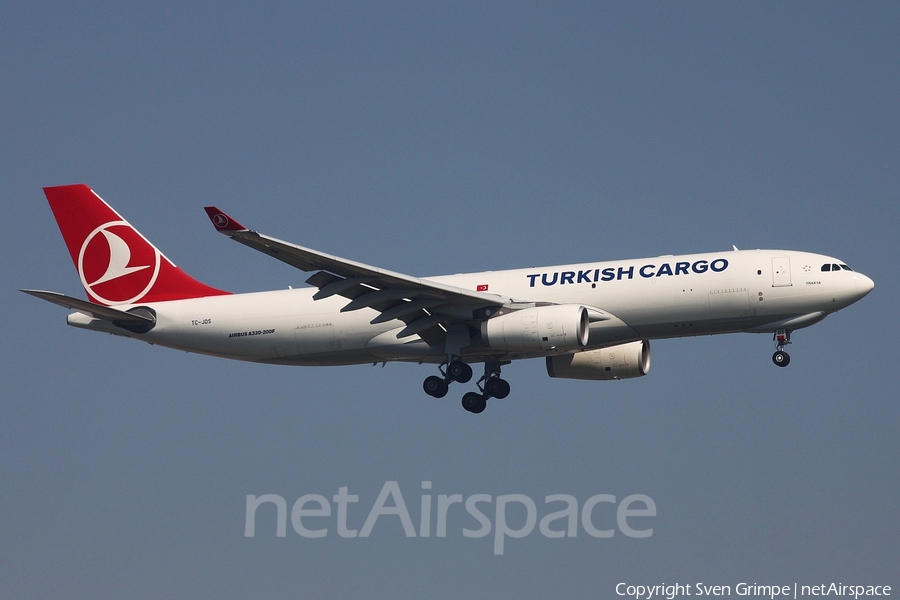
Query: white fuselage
x=660, y=297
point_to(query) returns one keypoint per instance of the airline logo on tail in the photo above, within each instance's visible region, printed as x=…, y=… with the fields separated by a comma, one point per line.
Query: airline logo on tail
x=116, y=264
x=220, y=221
x=132, y=265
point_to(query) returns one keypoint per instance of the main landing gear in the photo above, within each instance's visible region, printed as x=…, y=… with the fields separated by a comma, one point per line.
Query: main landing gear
x=457, y=370
x=489, y=386
x=782, y=338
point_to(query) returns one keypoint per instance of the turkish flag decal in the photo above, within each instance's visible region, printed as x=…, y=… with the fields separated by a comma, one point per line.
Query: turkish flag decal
x=482, y=288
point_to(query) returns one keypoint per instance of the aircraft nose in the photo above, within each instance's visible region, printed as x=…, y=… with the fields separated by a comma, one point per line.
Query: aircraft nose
x=864, y=285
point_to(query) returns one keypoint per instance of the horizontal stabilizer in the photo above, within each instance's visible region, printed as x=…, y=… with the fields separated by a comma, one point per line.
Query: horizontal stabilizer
x=119, y=317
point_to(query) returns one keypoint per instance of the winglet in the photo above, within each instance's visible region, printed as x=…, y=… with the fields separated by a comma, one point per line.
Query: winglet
x=221, y=221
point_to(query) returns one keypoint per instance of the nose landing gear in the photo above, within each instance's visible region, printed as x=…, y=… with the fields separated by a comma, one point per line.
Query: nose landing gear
x=782, y=338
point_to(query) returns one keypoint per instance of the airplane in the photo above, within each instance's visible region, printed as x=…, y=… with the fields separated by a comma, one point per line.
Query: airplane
x=590, y=321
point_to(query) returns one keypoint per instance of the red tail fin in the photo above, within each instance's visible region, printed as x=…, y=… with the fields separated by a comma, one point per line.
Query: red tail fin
x=117, y=265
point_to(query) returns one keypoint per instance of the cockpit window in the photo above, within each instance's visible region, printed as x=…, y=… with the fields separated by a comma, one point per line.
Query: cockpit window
x=834, y=267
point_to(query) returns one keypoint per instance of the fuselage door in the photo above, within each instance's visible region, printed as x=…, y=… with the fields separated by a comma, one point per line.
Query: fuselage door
x=781, y=271
x=315, y=335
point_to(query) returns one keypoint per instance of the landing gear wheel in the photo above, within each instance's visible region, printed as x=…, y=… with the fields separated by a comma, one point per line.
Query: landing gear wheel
x=496, y=387
x=435, y=387
x=459, y=371
x=781, y=358
x=782, y=338
x=474, y=402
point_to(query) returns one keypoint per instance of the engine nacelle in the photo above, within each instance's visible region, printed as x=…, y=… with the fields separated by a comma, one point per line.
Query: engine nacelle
x=616, y=362
x=559, y=327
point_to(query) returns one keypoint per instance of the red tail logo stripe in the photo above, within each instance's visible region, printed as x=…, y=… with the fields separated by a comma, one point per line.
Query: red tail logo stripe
x=116, y=264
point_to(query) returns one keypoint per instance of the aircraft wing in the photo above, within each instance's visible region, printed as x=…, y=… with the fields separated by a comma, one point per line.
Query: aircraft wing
x=425, y=306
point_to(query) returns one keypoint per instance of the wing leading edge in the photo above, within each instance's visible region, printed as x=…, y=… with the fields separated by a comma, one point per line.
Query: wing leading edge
x=427, y=307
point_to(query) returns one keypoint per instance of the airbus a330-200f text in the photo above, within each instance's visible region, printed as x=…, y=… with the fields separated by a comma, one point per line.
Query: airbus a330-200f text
x=588, y=321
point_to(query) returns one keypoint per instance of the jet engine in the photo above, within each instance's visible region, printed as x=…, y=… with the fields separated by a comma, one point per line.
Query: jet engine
x=616, y=362
x=559, y=327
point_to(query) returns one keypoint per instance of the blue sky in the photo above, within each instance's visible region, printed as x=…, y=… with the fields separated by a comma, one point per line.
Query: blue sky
x=432, y=139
